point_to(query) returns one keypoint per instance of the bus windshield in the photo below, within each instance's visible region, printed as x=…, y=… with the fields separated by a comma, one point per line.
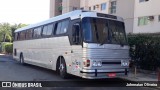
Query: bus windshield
x=103, y=31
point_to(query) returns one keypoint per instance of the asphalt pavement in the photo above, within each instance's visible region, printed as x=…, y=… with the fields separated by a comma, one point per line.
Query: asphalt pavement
x=11, y=70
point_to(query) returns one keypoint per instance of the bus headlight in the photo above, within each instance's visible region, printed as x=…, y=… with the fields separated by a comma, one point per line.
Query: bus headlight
x=94, y=64
x=124, y=63
x=97, y=63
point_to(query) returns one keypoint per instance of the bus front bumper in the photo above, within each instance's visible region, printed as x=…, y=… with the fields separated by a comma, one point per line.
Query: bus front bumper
x=110, y=73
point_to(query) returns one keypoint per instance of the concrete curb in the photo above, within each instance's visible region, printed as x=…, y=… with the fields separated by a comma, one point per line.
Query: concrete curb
x=6, y=56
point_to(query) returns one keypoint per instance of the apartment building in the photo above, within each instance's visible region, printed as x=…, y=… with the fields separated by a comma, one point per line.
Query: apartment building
x=146, y=16
x=140, y=16
x=58, y=7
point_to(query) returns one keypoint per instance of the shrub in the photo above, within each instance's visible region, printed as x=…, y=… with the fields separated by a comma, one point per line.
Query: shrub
x=9, y=48
x=3, y=47
x=145, y=50
x=6, y=47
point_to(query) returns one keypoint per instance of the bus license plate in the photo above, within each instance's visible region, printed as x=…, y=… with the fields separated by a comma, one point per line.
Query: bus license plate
x=112, y=75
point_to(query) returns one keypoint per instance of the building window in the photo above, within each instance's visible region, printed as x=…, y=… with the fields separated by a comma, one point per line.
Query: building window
x=94, y=7
x=75, y=8
x=145, y=20
x=103, y=6
x=113, y=7
x=89, y=8
x=143, y=0
x=82, y=8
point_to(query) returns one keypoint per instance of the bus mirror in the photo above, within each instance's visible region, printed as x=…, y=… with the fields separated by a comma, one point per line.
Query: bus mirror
x=76, y=34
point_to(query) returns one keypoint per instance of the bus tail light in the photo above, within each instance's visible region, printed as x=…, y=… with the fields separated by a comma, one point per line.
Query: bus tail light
x=86, y=63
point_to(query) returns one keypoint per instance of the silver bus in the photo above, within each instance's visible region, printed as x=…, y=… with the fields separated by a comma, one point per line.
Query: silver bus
x=87, y=44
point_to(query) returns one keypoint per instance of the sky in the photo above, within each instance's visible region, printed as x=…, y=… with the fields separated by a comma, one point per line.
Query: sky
x=24, y=11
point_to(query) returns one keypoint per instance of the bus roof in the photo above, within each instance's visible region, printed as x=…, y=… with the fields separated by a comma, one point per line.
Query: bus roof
x=72, y=15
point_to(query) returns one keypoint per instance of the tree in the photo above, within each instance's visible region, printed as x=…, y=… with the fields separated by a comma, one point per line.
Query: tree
x=5, y=32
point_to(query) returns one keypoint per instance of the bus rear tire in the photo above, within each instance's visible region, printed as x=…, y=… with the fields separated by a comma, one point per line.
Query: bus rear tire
x=62, y=69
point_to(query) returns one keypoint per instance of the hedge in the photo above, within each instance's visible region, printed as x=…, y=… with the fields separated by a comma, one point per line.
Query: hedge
x=145, y=50
x=9, y=48
x=6, y=47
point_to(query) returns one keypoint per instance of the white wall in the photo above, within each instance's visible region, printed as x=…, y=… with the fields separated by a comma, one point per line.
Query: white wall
x=90, y=3
x=69, y=4
x=125, y=9
x=150, y=8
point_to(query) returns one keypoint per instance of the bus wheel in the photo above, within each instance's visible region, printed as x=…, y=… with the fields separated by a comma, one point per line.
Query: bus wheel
x=21, y=59
x=63, y=69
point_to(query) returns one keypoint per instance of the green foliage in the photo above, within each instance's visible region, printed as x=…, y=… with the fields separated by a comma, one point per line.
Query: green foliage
x=3, y=47
x=145, y=50
x=7, y=31
x=9, y=48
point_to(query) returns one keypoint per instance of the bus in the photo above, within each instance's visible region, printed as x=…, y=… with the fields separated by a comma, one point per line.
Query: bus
x=86, y=44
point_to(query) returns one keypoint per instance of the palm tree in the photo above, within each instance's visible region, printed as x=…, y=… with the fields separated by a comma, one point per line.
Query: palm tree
x=5, y=32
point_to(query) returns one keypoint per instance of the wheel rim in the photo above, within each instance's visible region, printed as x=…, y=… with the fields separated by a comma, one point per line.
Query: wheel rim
x=61, y=68
x=21, y=59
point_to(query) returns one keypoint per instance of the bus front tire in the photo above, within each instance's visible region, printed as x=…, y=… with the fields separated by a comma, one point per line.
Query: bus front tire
x=63, y=69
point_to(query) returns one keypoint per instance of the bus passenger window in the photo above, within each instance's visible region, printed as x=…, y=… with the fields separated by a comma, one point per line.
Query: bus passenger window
x=61, y=27
x=22, y=35
x=29, y=34
x=37, y=32
x=64, y=26
x=18, y=36
x=15, y=36
x=49, y=31
x=58, y=29
x=45, y=28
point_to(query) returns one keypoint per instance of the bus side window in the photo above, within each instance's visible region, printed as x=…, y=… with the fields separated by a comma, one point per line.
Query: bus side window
x=61, y=27
x=22, y=35
x=50, y=29
x=58, y=29
x=29, y=34
x=47, y=30
x=18, y=36
x=64, y=26
x=37, y=32
x=15, y=36
x=55, y=28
